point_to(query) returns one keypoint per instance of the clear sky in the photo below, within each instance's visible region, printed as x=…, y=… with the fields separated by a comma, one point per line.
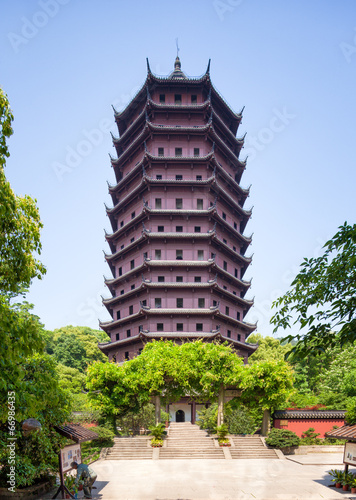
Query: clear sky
x=291, y=64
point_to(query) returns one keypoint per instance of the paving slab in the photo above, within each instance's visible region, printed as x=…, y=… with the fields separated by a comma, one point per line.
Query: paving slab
x=213, y=480
x=332, y=459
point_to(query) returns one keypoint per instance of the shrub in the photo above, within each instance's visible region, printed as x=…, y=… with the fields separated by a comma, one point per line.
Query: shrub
x=310, y=437
x=240, y=421
x=350, y=416
x=282, y=438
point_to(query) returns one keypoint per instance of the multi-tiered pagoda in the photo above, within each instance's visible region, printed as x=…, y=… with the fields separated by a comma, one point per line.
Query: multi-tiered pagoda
x=178, y=218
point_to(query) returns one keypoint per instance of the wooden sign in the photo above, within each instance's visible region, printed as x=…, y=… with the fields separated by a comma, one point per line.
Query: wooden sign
x=232, y=393
x=70, y=454
x=350, y=454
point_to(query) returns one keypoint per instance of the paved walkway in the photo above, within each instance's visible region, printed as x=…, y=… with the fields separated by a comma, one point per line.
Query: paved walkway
x=219, y=479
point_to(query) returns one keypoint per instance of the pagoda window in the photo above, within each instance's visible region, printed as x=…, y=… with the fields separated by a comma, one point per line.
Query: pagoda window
x=131, y=310
x=179, y=279
x=179, y=229
x=197, y=279
x=160, y=229
x=159, y=177
x=225, y=241
x=225, y=265
x=215, y=303
x=238, y=316
x=234, y=292
x=133, y=287
x=196, y=151
x=179, y=203
x=120, y=271
x=140, y=350
x=122, y=247
x=132, y=264
x=133, y=215
x=118, y=315
x=199, y=177
x=224, y=287
x=117, y=336
x=159, y=327
x=178, y=151
x=144, y=302
x=200, y=203
x=158, y=203
x=200, y=254
x=239, y=337
x=201, y=303
x=236, y=273
x=122, y=292
x=145, y=255
x=128, y=333
x=161, y=279
x=179, y=254
x=158, y=254
x=234, y=248
x=114, y=358
x=179, y=327
x=199, y=327
x=132, y=240
x=121, y=223
x=235, y=225
x=194, y=99
x=229, y=334
x=179, y=303
x=127, y=355
x=227, y=310
x=179, y=177
x=197, y=229
x=160, y=151
x=140, y=328
x=162, y=98
x=213, y=255
x=224, y=215
x=177, y=98
x=158, y=303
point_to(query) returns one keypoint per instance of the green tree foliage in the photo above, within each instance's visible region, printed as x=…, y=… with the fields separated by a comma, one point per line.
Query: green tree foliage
x=269, y=349
x=322, y=298
x=75, y=346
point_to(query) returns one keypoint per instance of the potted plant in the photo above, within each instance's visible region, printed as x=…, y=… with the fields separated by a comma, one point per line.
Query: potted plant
x=222, y=431
x=346, y=480
x=337, y=476
x=352, y=483
x=157, y=432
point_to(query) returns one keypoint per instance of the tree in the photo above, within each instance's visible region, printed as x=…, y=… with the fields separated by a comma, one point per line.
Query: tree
x=269, y=349
x=20, y=227
x=322, y=297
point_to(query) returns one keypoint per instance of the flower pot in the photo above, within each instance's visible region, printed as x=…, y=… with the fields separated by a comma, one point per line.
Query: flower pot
x=80, y=487
x=337, y=485
x=345, y=487
x=353, y=490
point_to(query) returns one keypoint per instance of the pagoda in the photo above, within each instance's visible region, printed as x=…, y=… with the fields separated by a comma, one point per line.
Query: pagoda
x=178, y=249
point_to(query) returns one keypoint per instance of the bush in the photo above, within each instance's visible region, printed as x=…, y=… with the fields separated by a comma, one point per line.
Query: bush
x=240, y=421
x=208, y=417
x=106, y=436
x=310, y=437
x=282, y=438
x=350, y=416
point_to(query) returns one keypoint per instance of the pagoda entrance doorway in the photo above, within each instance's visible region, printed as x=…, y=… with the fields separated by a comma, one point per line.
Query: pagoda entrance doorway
x=180, y=416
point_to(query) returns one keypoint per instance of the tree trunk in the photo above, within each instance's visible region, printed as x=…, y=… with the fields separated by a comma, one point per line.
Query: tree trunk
x=157, y=409
x=266, y=423
x=221, y=406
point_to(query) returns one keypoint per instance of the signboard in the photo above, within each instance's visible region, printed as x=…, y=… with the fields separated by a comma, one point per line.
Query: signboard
x=232, y=393
x=70, y=454
x=350, y=454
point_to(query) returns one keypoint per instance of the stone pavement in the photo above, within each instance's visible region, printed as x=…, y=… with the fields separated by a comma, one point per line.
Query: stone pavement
x=284, y=479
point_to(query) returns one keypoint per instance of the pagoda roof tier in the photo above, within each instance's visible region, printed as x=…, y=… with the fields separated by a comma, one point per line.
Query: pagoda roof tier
x=107, y=346
x=207, y=130
x=153, y=81
x=147, y=284
x=146, y=234
x=201, y=106
x=177, y=263
x=210, y=157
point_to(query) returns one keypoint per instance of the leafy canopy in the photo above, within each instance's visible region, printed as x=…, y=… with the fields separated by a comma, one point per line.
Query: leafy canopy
x=322, y=297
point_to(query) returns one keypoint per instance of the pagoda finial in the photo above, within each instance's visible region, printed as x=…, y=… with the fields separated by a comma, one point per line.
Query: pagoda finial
x=207, y=72
x=177, y=47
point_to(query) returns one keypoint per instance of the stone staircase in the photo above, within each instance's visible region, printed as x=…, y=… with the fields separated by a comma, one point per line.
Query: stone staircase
x=130, y=448
x=189, y=441
x=245, y=447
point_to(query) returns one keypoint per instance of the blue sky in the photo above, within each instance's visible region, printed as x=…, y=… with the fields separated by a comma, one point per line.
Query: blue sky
x=291, y=64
